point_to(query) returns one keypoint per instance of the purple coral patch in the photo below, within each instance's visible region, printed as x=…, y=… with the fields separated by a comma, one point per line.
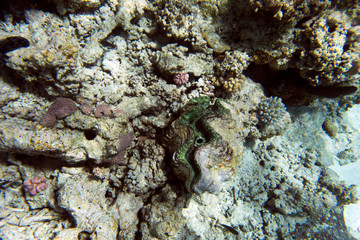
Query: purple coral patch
x=125, y=141
x=118, y=159
x=48, y=120
x=59, y=109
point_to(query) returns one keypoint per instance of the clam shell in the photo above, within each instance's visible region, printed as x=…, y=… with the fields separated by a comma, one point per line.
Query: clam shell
x=198, y=142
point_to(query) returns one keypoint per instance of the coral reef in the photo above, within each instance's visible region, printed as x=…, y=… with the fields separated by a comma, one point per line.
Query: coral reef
x=181, y=21
x=332, y=56
x=163, y=217
x=176, y=136
x=234, y=63
x=287, y=11
x=231, y=84
x=273, y=119
x=64, y=6
x=53, y=48
x=174, y=58
x=330, y=128
x=118, y=158
x=88, y=138
x=88, y=209
x=86, y=108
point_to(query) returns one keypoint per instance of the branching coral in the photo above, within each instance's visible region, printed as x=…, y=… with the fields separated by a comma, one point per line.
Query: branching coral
x=270, y=110
x=231, y=84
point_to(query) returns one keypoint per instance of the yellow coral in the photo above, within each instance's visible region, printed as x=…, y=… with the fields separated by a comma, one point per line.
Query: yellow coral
x=230, y=85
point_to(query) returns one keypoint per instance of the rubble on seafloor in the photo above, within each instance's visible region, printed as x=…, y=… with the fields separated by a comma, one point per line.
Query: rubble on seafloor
x=136, y=119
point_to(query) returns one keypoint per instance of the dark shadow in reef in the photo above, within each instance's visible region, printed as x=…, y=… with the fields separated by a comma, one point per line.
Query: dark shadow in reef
x=17, y=8
x=291, y=87
x=45, y=162
x=11, y=43
x=11, y=77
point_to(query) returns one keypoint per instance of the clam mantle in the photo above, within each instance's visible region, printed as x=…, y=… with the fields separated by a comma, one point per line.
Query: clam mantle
x=202, y=156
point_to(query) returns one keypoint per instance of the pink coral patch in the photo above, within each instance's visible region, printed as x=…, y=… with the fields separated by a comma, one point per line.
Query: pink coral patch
x=35, y=185
x=181, y=78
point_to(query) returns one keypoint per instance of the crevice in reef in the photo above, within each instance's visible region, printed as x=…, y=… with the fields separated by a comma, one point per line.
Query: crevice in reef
x=291, y=87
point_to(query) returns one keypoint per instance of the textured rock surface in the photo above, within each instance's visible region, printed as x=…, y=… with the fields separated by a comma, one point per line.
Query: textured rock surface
x=89, y=210
x=108, y=170
x=147, y=168
x=91, y=140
